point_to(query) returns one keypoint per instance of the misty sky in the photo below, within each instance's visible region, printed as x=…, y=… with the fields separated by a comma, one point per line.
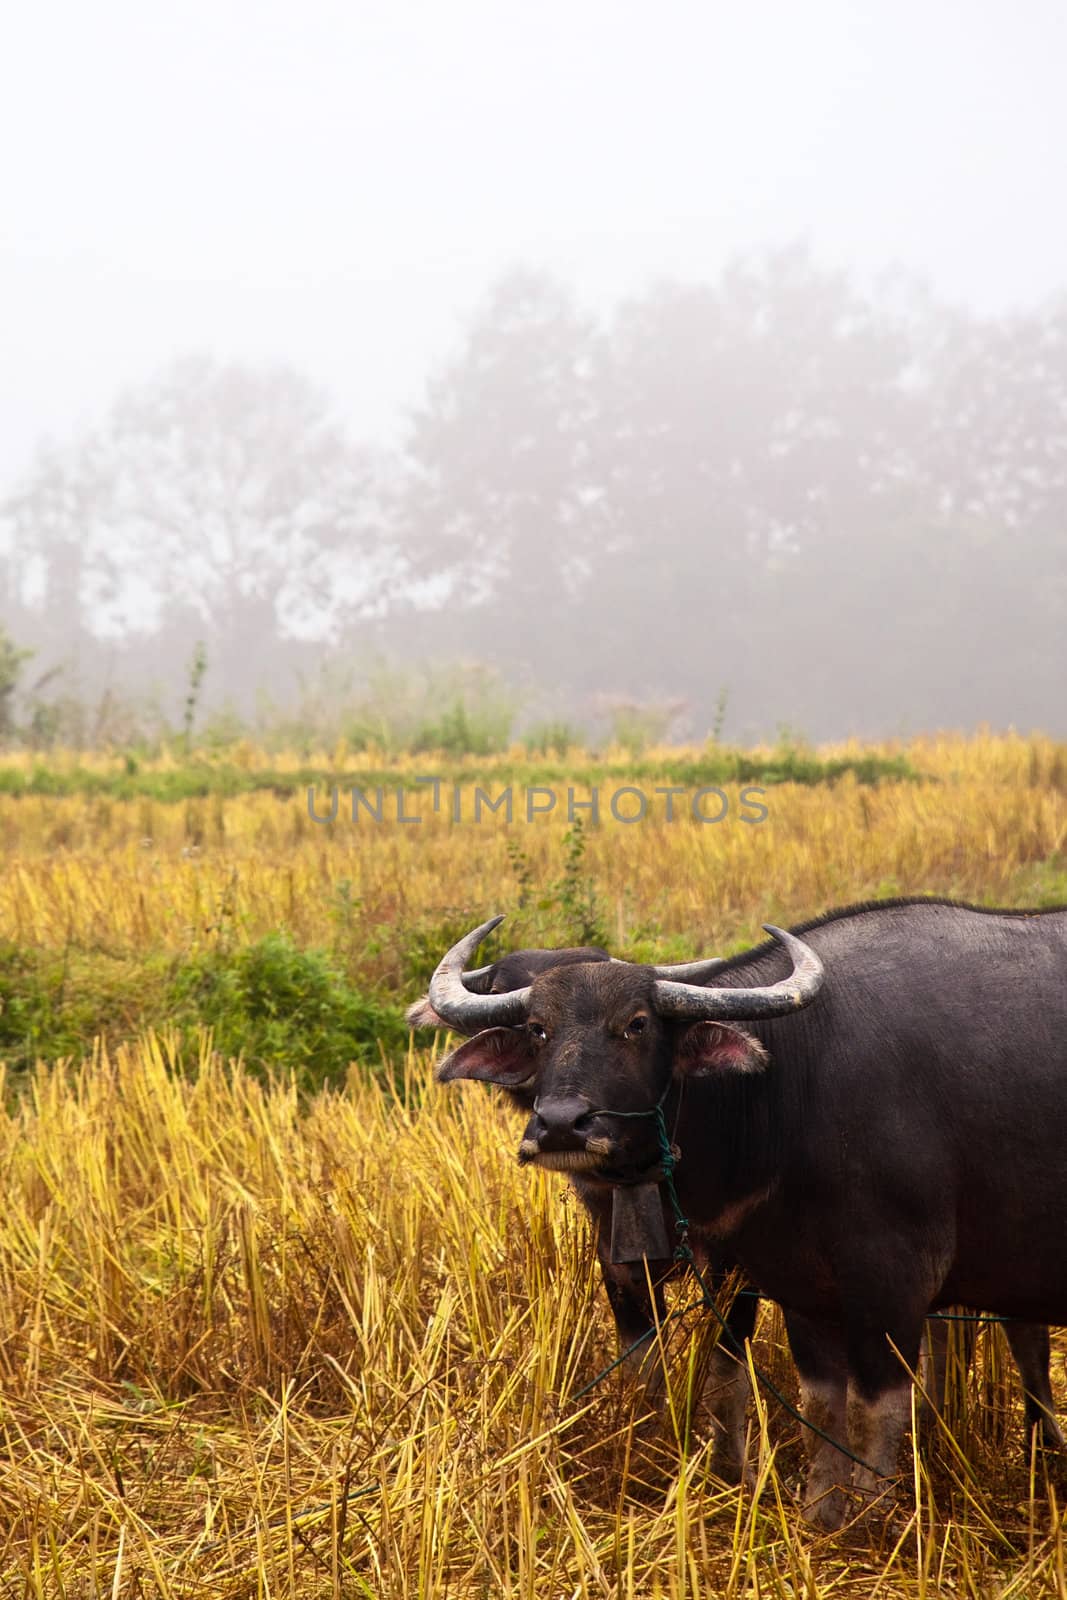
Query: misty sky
x=334, y=185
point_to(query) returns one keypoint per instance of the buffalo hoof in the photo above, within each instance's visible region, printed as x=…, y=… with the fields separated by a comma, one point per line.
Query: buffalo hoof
x=874, y=1512
x=1049, y=1436
x=830, y=1510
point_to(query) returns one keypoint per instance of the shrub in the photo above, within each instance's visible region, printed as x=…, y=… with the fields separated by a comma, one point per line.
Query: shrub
x=54, y=1003
x=275, y=1003
x=636, y=724
x=554, y=737
x=461, y=709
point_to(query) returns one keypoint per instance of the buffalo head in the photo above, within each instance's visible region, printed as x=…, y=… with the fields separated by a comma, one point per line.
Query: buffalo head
x=596, y=1045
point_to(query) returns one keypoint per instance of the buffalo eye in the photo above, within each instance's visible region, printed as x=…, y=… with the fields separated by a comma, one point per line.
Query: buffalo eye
x=536, y=1032
x=635, y=1026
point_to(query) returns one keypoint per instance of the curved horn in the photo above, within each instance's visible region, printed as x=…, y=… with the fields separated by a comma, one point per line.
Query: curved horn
x=478, y=979
x=455, y=1003
x=683, y=972
x=746, y=1005
x=690, y=971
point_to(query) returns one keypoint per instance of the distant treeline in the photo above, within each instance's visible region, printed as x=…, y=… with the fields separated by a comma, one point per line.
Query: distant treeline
x=774, y=499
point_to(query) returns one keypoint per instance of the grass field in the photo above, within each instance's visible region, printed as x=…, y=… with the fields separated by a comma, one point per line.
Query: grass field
x=285, y=1328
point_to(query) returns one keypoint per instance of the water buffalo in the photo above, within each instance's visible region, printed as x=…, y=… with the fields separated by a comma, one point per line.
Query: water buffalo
x=636, y=1310
x=882, y=1137
x=627, y=1281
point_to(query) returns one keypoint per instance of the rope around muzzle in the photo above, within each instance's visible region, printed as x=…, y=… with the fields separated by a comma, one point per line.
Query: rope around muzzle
x=683, y=1254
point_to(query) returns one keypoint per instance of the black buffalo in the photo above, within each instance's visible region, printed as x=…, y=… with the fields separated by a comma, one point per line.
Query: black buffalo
x=883, y=1136
x=636, y=1310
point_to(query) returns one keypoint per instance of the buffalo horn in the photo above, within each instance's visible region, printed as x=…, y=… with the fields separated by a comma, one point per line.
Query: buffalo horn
x=746, y=1005
x=681, y=972
x=690, y=971
x=478, y=979
x=455, y=1004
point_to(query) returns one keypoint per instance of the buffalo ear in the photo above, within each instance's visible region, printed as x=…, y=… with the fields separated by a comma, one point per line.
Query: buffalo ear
x=709, y=1048
x=422, y=1015
x=497, y=1055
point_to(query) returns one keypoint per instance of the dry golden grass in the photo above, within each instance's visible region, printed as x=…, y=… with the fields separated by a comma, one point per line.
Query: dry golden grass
x=125, y=876
x=250, y=1349
x=254, y=1347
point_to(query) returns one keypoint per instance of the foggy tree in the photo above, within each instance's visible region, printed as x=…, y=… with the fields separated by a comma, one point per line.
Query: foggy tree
x=999, y=467
x=216, y=500
x=1002, y=419
x=626, y=506
x=849, y=508
x=499, y=503
x=752, y=432
x=43, y=521
x=12, y=660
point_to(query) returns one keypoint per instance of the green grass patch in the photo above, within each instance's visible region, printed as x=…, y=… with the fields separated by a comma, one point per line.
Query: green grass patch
x=273, y=1003
x=200, y=780
x=1041, y=885
x=54, y=1003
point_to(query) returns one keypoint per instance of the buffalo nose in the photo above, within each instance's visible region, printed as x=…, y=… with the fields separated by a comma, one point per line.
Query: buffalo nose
x=560, y=1122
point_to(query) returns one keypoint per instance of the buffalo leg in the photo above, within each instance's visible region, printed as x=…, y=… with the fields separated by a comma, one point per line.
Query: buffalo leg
x=881, y=1360
x=636, y=1307
x=855, y=1393
x=727, y=1389
x=637, y=1311
x=1029, y=1342
x=821, y=1359
x=1029, y=1345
